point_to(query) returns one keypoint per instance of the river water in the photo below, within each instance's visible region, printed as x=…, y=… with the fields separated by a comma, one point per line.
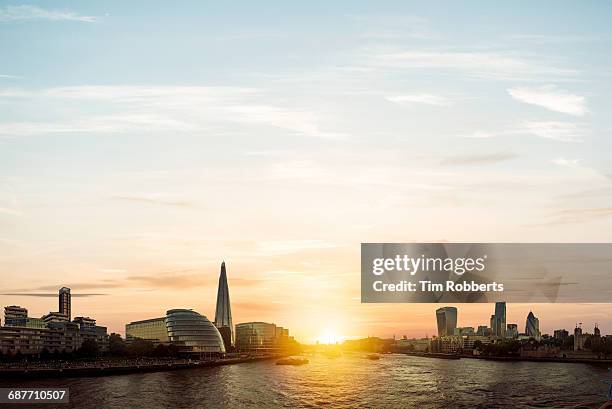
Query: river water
x=350, y=381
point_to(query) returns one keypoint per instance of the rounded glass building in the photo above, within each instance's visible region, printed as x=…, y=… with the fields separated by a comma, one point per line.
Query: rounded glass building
x=193, y=333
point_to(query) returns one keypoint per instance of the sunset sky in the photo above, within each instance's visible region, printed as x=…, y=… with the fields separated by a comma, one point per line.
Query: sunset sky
x=142, y=143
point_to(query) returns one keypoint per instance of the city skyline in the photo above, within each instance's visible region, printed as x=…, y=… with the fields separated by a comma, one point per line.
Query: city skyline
x=447, y=318
x=138, y=149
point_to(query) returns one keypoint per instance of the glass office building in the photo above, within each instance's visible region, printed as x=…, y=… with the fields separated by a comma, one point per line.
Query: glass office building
x=257, y=337
x=446, y=318
x=191, y=332
x=65, y=302
x=223, y=312
x=15, y=316
x=153, y=330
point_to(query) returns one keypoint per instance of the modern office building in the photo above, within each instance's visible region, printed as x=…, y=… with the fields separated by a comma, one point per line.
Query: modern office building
x=64, y=302
x=464, y=331
x=498, y=320
x=483, y=330
x=15, y=316
x=532, y=326
x=89, y=330
x=446, y=318
x=223, y=312
x=560, y=334
x=54, y=317
x=260, y=337
x=26, y=341
x=512, y=331
x=579, y=338
x=192, y=333
x=153, y=330
x=35, y=323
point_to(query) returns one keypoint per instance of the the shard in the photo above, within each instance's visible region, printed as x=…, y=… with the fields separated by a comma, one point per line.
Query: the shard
x=223, y=313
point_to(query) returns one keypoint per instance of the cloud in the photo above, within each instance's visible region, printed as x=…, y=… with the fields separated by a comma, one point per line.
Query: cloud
x=28, y=12
x=555, y=130
x=177, y=280
x=53, y=295
x=567, y=162
x=165, y=108
x=102, y=124
x=273, y=248
x=479, y=159
x=427, y=99
x=481, y=64
x=157, y=200
x=552, y=98
x=559, y=131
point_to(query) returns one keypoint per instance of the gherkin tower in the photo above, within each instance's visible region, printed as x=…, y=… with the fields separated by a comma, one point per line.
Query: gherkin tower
x=223, y=313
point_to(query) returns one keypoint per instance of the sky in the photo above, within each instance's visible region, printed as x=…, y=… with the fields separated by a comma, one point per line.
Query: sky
x=142, y=143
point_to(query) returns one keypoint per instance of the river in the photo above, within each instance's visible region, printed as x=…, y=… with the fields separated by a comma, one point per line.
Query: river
x=349, y=381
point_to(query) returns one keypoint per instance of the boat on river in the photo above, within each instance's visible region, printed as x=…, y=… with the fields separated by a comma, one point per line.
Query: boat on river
x=292, y=361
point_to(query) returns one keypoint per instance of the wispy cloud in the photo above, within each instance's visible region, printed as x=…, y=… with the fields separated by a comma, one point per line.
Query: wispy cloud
x=28, y=12
x=164, y=108
x=482, y=159
x=567, y=162
x=428, y=99
x=555, y=130
x=155, y=199
x=272, y=248
x=552, y=98
x=559, y=131
x=483, y=64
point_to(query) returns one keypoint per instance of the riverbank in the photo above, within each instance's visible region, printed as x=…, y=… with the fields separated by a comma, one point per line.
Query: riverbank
x=105, y=368
x=511, y=358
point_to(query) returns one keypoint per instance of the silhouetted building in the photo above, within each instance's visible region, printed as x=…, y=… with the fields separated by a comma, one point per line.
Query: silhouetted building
x=54, y=317
x=532, y=326
x=560, y=334
x=446, y=318
x=261, y=337
x=464, y=331
x=35, y=323
x=596, y=331
x=579, y=339
x=64, y=302
x=15, y=316
x=223, y=312
x=512, y=331
x=498, y=320
x=89, y=330
x=483, y=330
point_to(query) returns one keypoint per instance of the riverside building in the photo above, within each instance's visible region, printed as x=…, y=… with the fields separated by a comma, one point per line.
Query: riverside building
x=191, y=332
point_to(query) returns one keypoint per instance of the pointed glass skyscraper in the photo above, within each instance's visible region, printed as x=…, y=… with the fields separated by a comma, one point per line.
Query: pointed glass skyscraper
x=223, y=313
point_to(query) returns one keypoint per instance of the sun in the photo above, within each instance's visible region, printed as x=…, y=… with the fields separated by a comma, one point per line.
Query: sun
x=330, y=338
